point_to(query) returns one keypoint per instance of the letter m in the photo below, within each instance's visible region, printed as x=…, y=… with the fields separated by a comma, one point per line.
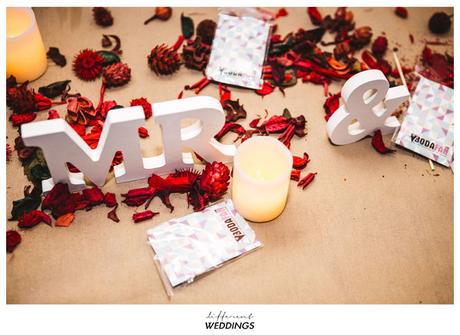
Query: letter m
x=61, y=144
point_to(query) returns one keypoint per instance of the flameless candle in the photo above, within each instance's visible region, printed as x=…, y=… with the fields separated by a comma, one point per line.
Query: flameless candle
x=261, y=172
x=25, y=52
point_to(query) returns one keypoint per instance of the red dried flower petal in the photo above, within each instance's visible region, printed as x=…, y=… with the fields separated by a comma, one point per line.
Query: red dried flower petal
x=53, y=114
x=281, y=12
x=230, y=126
x=145, y=215
x=143, y=133
x=110, y=199
x=138, y=196
x=31, y=219
x=19, y=119
x=267, y=88
x=378, y=144
x=315, y=16
x=65, y=220
x=112, y=215
x=93, y=195
x=331, y=104
x=295, y=175
x=147, y=106
x=79, y=201
x=254, y=123
x=13, y=239
x=300, y=162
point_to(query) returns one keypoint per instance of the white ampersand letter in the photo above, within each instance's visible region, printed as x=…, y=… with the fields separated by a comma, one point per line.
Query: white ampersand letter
x=368, y=104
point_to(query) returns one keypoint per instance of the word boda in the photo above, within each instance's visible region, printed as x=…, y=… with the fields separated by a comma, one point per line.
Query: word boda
x=429, y=144
x=62, y=145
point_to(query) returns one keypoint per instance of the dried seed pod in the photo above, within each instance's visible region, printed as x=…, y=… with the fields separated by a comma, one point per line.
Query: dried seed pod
x=196, y=54
x=117, y=74
x=102, y=16
x=164, y=60
x=206, y=30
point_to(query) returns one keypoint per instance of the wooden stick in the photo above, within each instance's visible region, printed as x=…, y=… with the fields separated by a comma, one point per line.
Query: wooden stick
x=403, y=79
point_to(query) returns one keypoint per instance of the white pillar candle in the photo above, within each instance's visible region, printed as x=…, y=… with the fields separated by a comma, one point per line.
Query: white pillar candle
x=25, y=52
x=261, y=172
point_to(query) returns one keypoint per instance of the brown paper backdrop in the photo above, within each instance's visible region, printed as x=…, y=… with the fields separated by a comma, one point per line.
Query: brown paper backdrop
x=370, y=229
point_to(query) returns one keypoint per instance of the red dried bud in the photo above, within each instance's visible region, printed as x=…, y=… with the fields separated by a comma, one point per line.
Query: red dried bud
x=401, y=12
x=142, y=216
x=117, y=74
x=380, y=45
x=143, y=133
x=306, y=180
x=13, y=238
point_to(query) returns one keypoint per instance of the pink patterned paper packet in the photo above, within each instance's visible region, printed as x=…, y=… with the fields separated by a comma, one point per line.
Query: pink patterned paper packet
x=200, y=242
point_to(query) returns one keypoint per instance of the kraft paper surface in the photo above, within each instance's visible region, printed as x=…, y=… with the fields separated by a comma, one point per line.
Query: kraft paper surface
x=371, y=228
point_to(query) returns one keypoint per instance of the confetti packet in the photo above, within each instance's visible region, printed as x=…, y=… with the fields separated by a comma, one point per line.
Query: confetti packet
x=428, y=128
x=190, y=246
x=238, y=51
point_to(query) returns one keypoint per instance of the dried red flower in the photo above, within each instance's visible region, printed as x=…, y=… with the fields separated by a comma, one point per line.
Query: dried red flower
x=378, y=144
x=18, y=119
x=13, y=239
x=361, y=37
x=20, y=99
x=215, y=179
x=33, y=218
x=59, y=200
x=117, y=74
x=379, y=46
x=110, y=199
x=81, y=110
x=164, y=60
x=300, y=162
x=87, y=65
x=147, y=106
x=306, y=180
x=102, y=16
x=401, y=12
x=143, y=133
x=143, y=216
x=206, y=30
x=315, y=16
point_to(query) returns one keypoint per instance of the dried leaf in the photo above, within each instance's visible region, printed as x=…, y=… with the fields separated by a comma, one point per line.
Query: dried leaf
x=187, y=25
x=30, y=202
x=55, y=55
x=54, y=89
x=109, y=57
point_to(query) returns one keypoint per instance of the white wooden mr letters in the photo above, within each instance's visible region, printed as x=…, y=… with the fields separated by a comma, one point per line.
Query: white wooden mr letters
x=369, y=101
x=61, y=144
